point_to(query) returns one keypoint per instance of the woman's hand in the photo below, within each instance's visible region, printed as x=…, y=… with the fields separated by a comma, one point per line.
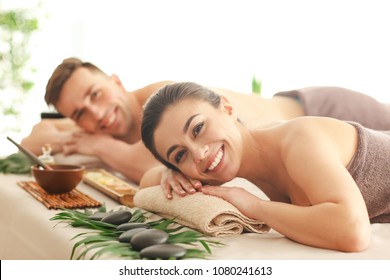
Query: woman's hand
x=180, y=184
x=239, y=197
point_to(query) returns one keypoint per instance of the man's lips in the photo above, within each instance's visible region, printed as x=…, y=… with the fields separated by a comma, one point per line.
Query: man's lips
x=109, y=119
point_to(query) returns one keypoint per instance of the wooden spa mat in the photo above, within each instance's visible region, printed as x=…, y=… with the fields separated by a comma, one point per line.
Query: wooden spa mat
x=70, y=200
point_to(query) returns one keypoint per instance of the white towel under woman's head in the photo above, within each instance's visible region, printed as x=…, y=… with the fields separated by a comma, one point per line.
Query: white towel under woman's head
x=208, y=214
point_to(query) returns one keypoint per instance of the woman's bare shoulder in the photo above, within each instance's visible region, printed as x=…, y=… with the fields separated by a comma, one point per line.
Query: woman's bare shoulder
x=313, y=123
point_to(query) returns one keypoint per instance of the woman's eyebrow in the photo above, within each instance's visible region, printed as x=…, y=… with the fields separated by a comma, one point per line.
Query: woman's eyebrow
x=185, y=129
x=188, y=122
x=170, y=150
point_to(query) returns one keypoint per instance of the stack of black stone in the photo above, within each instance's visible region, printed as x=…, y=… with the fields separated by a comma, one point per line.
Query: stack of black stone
x=150, y=243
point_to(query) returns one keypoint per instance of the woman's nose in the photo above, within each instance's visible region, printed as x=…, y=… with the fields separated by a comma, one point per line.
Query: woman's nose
x=201, y=153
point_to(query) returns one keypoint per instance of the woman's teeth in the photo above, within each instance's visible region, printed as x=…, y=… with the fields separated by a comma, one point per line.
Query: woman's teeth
x=216, y=161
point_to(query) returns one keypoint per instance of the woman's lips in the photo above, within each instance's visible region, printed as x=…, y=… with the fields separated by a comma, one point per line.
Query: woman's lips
x=217, y=160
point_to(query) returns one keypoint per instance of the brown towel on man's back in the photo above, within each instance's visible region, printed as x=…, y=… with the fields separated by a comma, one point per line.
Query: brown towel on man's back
x=343, y=104
x=370, y=169
x=208, y=214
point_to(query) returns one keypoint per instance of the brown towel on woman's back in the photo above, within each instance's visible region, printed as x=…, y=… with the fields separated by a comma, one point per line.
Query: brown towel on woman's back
x=370, y=169
x=343, y=104
x=208, y=214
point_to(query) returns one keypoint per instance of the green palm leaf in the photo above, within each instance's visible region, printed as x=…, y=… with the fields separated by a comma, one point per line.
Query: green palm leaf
x=117, y=249
x=104, y=237
x=89, y=240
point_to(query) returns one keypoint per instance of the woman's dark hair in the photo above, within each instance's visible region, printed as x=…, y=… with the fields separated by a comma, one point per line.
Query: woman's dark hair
x=159, y=102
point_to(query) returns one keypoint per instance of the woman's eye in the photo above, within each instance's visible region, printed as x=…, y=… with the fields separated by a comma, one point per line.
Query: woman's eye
x=197, y=129
x=179, y=156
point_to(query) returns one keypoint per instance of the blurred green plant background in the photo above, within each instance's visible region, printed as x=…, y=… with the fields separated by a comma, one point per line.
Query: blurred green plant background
x=16, y=28
x=256, y=85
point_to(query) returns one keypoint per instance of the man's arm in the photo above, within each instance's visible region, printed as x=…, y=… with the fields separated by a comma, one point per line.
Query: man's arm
x=49, y=131
x=132, y=160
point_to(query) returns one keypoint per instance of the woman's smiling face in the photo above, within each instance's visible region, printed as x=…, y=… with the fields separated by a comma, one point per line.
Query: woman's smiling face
x=200, y=140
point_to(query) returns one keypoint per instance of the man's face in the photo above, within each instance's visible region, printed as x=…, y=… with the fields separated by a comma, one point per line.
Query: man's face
x=96, y=102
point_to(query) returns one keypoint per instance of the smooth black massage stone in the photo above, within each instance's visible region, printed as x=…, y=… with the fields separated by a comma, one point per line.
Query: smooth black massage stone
x=117, y=217
x=163, y=251
x=147, y=238
x=127, y=226
x=97, y=216
x=126, y=236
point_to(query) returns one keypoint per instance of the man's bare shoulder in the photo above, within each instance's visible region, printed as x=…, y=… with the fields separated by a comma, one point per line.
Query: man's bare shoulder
x=142, y=94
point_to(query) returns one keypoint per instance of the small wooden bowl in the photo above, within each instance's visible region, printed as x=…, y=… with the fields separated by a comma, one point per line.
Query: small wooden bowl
x=62, y=179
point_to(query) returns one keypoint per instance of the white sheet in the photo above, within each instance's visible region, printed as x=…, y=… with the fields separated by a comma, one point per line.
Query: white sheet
x=27, y=233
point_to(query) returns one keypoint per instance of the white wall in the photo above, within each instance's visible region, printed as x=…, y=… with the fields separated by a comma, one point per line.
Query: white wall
x=221, y=43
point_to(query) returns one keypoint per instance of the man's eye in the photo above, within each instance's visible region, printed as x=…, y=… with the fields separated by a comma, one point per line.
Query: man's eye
x=197, y=129
x=79, y=115
x=94, y=94
x=179, y=156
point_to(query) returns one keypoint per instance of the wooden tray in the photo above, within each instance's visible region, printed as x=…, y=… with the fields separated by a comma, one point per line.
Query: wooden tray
x=111, y=185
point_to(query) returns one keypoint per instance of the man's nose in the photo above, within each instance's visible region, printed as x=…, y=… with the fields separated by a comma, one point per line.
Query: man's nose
x=95, y=111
